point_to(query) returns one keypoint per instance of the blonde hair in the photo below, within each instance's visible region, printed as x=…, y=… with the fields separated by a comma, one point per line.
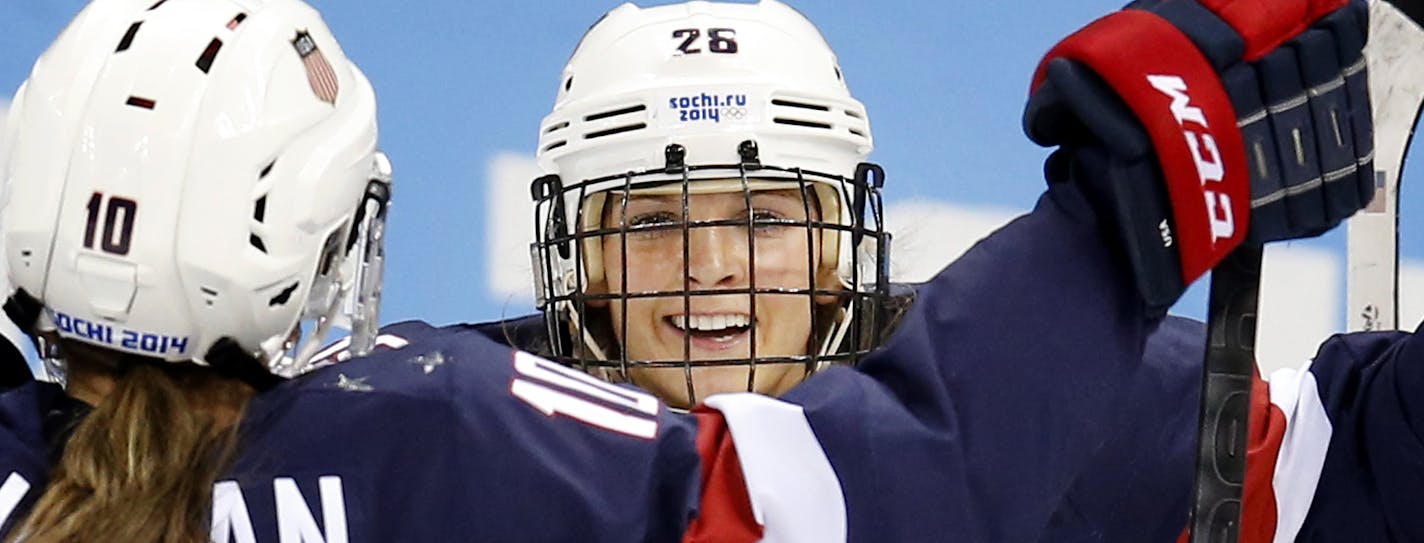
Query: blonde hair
x=141, y=465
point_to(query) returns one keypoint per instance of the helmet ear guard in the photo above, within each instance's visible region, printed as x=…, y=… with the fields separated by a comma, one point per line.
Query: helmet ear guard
x=362, y=300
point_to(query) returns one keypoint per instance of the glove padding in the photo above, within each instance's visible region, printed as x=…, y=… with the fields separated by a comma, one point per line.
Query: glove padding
x=1197, y=126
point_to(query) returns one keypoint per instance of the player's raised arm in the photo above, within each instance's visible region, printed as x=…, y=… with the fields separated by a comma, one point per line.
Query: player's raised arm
x=1180, y=128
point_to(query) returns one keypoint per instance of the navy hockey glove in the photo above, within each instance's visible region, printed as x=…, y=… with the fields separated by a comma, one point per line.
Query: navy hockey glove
x=1195, y=126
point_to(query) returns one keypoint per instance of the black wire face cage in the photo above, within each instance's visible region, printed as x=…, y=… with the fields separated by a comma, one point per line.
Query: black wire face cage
x=579, y=325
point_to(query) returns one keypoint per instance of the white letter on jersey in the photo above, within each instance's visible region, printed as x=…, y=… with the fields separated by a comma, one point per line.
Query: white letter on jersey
x=231, y=522
x=295, y=523
x=11, y=493
x=550, y=401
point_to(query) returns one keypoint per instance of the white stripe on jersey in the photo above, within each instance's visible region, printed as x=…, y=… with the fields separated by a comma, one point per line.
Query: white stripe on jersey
x=795, y=494
x=11, y=493
x=1302, y=454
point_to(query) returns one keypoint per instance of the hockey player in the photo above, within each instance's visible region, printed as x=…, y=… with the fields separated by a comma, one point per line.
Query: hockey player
x=648, y=275
x=953, y=429
x=187, y=182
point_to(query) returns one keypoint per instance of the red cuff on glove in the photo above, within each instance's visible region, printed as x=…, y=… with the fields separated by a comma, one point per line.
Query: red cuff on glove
x=1178, y=97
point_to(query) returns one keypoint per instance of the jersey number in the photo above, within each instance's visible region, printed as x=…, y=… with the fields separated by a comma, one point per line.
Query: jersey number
x=118, y=223
x=555, y=389
x=719, y=40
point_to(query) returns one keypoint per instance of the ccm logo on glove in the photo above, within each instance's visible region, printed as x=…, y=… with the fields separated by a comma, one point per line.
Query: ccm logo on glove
x=1209, y=166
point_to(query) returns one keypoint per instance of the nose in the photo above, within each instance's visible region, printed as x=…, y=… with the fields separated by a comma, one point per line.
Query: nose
x=717, y=257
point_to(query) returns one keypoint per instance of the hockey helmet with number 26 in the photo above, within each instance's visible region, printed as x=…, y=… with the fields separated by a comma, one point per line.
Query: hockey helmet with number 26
x=180, y=173
x=697, y=98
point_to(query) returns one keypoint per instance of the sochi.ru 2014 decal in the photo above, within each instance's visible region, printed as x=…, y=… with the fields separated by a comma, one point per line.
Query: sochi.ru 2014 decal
x=120, y=337
x=709, y=107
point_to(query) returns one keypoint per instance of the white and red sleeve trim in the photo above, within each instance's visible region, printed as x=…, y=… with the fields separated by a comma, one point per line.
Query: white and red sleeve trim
x=790, y=488
x=1301, y=457
x=1290, y=434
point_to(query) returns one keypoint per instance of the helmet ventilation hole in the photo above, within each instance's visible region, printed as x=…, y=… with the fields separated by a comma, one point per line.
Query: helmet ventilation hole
x=801, y=122
x=615, y=130
x=210, y=295
x=800, y=105
x=614, y=113
x=569, y=83
x=236, y=20
x=155, y=6
x=609, y=114
x=259, y=209
x=128, y=37
x=556, y=127
x=144, y=103
x=283, y=297
x=205, y=62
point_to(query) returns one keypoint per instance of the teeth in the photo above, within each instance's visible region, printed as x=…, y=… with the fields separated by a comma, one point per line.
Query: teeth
x=711, y=323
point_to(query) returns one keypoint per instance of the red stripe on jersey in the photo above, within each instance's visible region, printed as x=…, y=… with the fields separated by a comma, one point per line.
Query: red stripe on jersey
x=1258, y=500
x=725, y=513
x=1268, y=433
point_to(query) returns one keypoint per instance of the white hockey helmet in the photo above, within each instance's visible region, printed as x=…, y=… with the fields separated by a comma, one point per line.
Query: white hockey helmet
x=695, y=98
x=183, y=173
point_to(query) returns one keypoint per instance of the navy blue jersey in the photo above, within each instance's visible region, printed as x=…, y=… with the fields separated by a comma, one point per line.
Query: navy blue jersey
x=1334, y=454
x=1014, y=388
x=425, y=443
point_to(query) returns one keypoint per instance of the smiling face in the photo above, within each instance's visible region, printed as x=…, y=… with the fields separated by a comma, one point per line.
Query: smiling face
x=674, y=328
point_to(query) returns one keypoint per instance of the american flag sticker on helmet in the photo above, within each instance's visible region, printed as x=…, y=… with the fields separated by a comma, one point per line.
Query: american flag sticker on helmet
x=319, y=73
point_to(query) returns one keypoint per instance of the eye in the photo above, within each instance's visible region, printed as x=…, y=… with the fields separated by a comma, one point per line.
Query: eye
x=767, y=222
x=653, y=225
x=652, y=219
x=766, y=215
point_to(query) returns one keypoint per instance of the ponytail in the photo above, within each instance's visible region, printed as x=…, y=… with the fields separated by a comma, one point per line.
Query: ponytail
x=141, y=466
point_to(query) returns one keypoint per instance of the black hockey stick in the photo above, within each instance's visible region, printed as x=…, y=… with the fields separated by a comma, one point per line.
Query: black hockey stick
x=1396, y=41
x=1226, y=397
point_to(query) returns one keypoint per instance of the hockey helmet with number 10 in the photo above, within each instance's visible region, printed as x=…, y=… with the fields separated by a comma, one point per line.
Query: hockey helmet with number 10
x=183, y=173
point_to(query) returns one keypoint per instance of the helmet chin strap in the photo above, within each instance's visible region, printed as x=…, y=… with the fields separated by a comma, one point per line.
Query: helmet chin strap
x=24, y=310
x=230, y=360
